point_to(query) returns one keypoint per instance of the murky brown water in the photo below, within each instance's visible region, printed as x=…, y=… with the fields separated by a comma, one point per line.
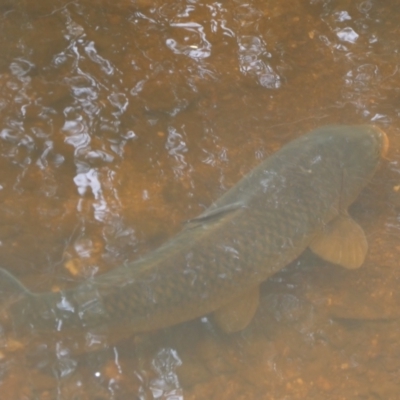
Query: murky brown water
x=121, y=119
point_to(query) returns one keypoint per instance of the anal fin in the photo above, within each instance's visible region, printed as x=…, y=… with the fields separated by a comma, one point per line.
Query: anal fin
x=341, y=242
x=237, y=314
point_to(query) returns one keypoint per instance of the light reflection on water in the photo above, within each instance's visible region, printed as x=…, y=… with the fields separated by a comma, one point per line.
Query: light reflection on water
x=120, y=120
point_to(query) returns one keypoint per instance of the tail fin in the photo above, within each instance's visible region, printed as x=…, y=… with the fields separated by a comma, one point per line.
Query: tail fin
x=14, y=296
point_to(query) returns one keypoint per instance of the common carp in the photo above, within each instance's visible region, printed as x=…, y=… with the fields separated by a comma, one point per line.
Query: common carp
x=297, y=198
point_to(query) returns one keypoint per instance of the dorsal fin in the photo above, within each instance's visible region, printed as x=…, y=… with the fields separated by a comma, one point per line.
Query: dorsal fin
x=214, y=214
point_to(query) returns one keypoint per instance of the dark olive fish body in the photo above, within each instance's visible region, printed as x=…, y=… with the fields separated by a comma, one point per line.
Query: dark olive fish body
x=254, y=230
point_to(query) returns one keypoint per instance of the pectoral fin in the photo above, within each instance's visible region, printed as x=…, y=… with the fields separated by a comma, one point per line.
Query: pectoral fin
x=237, y=314
x=342, y=242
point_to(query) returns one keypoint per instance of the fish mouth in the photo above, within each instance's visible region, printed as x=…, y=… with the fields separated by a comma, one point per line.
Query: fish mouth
x=385, y=143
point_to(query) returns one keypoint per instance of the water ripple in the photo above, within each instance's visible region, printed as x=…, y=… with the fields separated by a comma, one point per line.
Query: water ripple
x=252, y=56
x=193, y=44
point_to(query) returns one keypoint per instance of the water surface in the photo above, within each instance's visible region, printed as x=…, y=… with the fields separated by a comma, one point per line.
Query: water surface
x=122, y=119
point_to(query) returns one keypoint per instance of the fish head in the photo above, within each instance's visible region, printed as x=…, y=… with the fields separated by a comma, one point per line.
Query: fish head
x=362, y=148
x=359, y=150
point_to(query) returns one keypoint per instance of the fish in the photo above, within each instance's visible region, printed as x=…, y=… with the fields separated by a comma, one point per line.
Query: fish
x=297, y=198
